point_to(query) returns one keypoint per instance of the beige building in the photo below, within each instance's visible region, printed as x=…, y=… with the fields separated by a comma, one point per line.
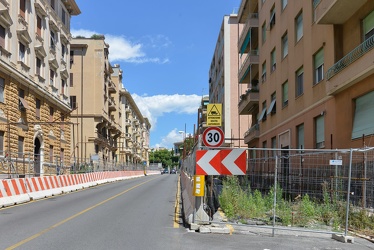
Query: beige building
x=134, y=140
x=109, y=131
x=95, y=98
x=308, y=68
x=34, y=72
x=223, y=82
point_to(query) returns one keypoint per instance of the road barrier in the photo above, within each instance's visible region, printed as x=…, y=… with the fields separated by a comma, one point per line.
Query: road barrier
x=20, y=190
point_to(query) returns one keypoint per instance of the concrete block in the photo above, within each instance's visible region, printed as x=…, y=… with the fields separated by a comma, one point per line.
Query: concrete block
x=204, y=230
x=343, y=238
x=219, y=230
x=194, y=226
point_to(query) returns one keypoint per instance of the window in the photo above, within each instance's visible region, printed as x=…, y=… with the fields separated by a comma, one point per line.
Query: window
x=21, y=93
x=53, y=40
x=368, y=25
x=22, y=8
x=73, y=102
x=318, y=66
x=299, y=82
x=22, y=52
x=273, y=107
x=38, y=66
x=263, y=76
x=264, y=32
x=2, y=36
x=285, y=94
x=284, y=4
x=284, y=45
x=300, y=136
x=63, y=16
x=37, y=110
x=274, y=145
x=71, y=57
x=63, y=51
x=51, y=77
x=2, y=88
x=38, y=25
x=20, y=146
x=363, y=121
x=50, y=153
x=262, y=116
x=273, y=60
x=265, y=151
x=320, y=131
x=299, y=27
x=51, y=113
x=1, y=142
x=71, y=79
x=272, y=17
x=53, y=4
x=63, y=85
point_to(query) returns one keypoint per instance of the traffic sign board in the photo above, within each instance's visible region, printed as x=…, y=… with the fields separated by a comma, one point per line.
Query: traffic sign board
x=213, y=137
x=221, y=162
x=214, y=114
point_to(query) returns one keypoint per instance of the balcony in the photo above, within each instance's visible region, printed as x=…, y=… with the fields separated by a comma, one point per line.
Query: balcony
x=335, y=11
x=252, y=134
x=112, y=104
x=352, y=68
x=112, y=88
x=246, y=7
x=127, y=122
x=250, y=63
x=249, y=102
x=252, y=22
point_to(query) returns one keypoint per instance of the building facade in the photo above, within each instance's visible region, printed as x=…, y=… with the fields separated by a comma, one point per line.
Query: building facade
x=307, y=66
x=223, y=82
x=134, y=140
x=34, y=72
x=94, y=97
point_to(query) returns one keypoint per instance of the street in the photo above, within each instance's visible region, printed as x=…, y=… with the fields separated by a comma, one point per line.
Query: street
x=130, y=214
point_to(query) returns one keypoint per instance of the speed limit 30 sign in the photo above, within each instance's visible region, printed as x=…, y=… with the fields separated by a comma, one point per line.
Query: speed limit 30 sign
x=213, y=137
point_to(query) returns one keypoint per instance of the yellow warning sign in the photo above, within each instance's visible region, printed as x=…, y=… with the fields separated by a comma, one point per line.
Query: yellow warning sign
x=214, y=115
x=199, y=185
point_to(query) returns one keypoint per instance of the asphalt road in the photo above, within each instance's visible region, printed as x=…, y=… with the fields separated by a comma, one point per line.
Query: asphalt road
x=131, y=214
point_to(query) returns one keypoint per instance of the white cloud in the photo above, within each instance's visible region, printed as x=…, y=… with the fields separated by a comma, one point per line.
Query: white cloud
x=122, y=49
x=156, y=106
x=172, y=137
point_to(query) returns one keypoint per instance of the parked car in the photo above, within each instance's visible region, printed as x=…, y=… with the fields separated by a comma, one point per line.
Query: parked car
x=173, y=171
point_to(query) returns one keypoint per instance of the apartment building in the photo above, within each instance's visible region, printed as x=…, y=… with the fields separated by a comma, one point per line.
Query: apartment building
x=34, y=72
x=223, y=82
x=135, y=137
x=202, y=115
x=307, y=67
x=94, y=96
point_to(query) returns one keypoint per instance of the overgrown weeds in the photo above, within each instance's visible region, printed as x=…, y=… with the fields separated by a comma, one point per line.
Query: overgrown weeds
x=241, y=203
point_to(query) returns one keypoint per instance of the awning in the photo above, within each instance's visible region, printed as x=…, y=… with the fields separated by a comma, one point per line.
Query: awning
x=272, y=107
x=23, y=103
x=262, y=114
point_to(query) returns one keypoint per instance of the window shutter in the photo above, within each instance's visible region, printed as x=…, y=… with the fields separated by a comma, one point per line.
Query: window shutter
x=363, y=123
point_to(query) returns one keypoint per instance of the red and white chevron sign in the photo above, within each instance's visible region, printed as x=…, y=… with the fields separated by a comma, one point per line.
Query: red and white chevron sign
x=221, y=162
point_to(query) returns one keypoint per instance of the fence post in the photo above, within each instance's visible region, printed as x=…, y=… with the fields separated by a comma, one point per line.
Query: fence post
x=275, y=193
x=348, y=192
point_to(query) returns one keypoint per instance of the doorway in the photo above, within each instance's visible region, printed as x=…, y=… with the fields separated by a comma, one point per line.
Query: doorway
x=37, y=157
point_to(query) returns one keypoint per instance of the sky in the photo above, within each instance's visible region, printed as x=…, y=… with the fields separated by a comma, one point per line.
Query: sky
x=165, y=49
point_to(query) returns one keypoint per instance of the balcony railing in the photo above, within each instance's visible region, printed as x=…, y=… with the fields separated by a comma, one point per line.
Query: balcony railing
x=352, y=56
x=252, y=133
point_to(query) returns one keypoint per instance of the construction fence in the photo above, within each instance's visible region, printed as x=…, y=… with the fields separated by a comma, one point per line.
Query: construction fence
x=346, y=174
x=19, y=165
